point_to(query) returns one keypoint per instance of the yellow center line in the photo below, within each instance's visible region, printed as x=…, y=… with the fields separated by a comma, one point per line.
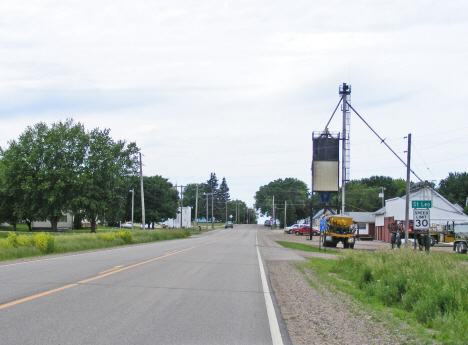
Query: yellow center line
x=102, y=275
x=116, y=267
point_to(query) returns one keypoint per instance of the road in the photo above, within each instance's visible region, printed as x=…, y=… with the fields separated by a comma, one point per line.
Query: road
x=206, y=289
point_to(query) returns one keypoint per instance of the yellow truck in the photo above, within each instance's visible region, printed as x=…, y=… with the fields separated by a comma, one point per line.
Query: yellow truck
x=339, y=228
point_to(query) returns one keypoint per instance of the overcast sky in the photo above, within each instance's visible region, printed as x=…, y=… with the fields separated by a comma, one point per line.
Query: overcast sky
x=237, y=87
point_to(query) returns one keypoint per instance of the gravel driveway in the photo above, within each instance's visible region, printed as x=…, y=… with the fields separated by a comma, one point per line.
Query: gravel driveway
x=316, y=315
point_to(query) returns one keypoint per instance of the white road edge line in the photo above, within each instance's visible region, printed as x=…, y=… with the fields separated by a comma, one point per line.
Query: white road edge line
x=274, y=326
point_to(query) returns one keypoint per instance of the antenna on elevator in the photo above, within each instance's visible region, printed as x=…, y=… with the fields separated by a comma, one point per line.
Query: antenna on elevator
x=345, y=92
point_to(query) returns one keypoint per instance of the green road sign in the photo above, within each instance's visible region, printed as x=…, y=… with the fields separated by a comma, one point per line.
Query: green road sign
x=421, y=203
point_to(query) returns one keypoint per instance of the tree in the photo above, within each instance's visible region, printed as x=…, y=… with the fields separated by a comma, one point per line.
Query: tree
x=360, y=197
x=104, y=175
x=161, y=200
x=363, y=195
x=47, y=160
x=290, y=190
x=223, y=197
x=9, y=193
x=190, y=198
x=50, y=171
x=455, y=188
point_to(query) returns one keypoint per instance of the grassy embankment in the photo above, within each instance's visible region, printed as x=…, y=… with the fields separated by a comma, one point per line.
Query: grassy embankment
x=428, y=291
x=15, y=245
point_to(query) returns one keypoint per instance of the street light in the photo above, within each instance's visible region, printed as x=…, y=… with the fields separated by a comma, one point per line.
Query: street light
x=133, y=203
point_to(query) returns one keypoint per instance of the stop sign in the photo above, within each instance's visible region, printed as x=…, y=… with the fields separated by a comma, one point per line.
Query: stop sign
x=271, y=219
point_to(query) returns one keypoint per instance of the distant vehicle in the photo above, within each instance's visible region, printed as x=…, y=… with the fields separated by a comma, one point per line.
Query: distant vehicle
x=306, y=231
x=288, y=229
x=267, y=223
x=228, y=225
x=126, y=225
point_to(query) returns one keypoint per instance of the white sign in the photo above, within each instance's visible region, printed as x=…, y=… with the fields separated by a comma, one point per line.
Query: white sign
x=421, y=219
x=230, y=216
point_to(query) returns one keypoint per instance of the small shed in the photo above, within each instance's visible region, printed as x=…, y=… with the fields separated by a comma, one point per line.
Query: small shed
x=365, y=222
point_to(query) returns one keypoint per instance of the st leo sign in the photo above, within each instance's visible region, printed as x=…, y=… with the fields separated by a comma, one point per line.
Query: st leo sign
x=421, y=219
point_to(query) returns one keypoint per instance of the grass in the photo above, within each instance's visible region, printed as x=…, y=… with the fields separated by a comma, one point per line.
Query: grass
x=305, y=247
x=11, y=248
x=427, y=291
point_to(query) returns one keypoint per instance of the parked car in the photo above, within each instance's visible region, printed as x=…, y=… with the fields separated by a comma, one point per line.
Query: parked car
x=305, y=230
x=228, y=225
x=267, y=223
x=288, y=229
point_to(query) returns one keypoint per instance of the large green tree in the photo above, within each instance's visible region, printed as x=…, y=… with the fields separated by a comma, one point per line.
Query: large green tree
x=48, y=160
x=52, y=170
x=104, y=175
x=223, y=197
x=9, y=195
x=363, y=195
x=455, y=188
x=362, y=198
x=290, y=192
x=161, y=200
x=190, y=198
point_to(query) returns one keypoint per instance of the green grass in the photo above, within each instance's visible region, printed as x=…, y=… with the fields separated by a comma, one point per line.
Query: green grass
x=73, y=242
x=427, y=291
x=306, y=247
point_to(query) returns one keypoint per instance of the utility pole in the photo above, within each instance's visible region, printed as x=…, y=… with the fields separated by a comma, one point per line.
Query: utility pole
x=195, y=223
x=181, y=205
x=226, y=210
x=206, y=222
x=274, y=218
x=237, y=219
x=285, y=213
x=133, y=203
x=383, y=195
x=212, y=226
x=212, y=202
x=143, y=223
x=408, y=171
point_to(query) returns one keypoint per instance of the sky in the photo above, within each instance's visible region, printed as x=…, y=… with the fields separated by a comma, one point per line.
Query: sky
x=238, y=87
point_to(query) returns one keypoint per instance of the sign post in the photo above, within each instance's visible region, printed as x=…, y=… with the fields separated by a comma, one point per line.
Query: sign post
x=422, y=221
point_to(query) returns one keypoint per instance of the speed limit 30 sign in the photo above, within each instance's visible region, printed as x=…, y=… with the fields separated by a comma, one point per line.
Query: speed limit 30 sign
x=421, y=219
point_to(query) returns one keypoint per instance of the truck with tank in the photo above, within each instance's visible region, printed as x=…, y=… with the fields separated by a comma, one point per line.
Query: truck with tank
x=339, y=228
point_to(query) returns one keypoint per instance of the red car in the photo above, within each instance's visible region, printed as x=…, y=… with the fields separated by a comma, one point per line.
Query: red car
x=306, y=231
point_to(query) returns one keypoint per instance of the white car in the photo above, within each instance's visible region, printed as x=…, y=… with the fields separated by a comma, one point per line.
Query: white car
x=288, y=229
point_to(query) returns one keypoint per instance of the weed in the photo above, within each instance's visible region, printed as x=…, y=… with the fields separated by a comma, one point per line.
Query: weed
x=126, y=235
x=45, y=242
x=108, y=236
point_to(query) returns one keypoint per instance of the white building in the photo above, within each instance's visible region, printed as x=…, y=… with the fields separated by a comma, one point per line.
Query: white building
x=186, y=219
x=64, y=223
x=441, y=212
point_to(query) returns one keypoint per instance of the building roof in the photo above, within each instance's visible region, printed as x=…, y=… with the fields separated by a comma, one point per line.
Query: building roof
x=320, y=213
x=362, y=217
x=441, y=212
x=380, y=211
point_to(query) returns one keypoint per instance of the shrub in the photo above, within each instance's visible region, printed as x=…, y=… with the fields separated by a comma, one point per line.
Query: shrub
x=108, y=236
x=4, y=243
x=24, y=240
x=45, y=242
x=126, y=235
x=13, y=239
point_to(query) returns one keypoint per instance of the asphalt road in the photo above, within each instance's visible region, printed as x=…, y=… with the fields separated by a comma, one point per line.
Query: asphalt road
x=206, y=289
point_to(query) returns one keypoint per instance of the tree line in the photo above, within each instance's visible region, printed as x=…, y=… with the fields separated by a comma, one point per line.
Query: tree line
x=293, y=199
x=51, y=170
x=215, y=196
